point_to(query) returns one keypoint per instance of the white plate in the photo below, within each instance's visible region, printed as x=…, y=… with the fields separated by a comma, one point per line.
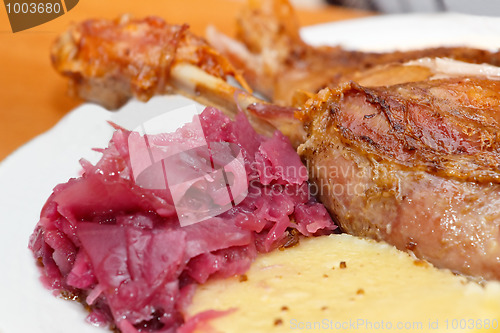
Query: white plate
x=411, y=31
x=29, y=174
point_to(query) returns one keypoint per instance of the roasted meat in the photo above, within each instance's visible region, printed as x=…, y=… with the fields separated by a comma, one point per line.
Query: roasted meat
x=277, y=62
x=415, y=164
x=110, y=61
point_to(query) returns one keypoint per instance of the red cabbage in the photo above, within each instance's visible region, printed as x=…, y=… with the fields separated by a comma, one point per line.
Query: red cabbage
x=120, y=249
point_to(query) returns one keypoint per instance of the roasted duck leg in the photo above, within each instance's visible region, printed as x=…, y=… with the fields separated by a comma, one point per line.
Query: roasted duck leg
x=111, y=61
x=108, y=62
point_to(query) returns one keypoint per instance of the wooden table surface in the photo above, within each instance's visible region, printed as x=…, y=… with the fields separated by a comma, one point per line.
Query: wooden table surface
x=33, y=97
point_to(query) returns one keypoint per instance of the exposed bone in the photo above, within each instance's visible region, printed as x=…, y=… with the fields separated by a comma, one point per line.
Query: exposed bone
x=194, y=83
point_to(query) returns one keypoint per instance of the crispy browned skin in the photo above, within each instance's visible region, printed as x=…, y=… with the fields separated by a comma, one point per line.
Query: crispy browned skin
x=109, y=61
x=277, y=63
x=415, y=164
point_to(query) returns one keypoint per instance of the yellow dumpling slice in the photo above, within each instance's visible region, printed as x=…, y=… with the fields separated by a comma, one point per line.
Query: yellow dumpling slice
x=348, y=284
